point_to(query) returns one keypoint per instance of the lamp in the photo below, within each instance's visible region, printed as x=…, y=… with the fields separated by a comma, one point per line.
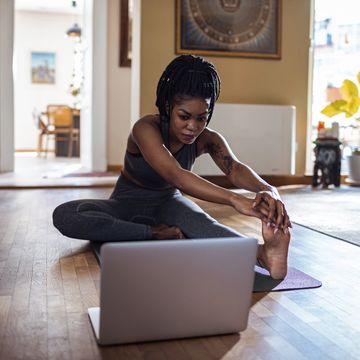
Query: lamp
x=75, y=30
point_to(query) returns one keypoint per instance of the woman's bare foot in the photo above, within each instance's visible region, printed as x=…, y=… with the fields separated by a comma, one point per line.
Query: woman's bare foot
x=163, y=232
x=274, y=253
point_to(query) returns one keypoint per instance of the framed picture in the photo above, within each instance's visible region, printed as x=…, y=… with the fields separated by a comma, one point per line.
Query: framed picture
x=43, y=68
x=243, y=28
x=125, y=32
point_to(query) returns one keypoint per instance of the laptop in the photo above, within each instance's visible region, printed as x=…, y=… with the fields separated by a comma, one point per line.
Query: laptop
x=158, y=290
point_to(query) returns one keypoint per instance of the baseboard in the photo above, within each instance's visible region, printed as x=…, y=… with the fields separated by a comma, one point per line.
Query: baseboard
x=116, y=168
x=275, y=180
x=33, y=150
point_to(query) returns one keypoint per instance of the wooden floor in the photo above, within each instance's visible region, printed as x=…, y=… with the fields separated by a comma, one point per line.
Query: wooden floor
x=47, y=282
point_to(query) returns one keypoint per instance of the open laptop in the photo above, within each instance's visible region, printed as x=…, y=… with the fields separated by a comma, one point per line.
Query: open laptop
x=158, y=290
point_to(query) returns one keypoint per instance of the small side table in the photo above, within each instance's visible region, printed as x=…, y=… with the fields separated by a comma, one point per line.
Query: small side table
x=327, y=164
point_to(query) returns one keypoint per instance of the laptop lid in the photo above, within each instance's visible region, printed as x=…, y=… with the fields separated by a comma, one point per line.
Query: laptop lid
x=157, y=290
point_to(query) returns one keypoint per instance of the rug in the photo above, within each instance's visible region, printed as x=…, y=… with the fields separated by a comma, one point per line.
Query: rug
x=333, y=212
x=94, y=174
x=294, y=280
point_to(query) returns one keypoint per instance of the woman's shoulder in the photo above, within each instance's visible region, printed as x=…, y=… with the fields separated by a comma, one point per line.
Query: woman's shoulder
x=149, y=119
x=146, y=124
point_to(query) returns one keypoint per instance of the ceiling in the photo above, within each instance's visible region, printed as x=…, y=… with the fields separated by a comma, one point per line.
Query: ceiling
x=50, y=6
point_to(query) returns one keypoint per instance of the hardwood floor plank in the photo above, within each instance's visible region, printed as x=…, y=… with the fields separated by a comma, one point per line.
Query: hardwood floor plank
x=79, y=335
x=195, y=349
x=300, y=312
x=172, y=349
x=5, y=303
x=57, y=325
x=12, y=348
x=59, y=348
x=308, y=330
x=7, y=280
x=300, y=342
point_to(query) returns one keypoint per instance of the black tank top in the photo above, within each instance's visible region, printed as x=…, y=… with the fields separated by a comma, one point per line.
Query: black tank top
x=140, y=170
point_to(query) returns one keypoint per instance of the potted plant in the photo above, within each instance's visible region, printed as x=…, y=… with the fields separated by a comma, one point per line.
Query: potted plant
x=349, y=106
x=75, y=93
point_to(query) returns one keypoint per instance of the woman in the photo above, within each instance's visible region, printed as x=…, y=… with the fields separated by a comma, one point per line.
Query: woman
x=147, y=201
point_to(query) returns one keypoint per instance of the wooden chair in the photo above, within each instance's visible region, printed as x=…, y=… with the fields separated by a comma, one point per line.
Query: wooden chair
x=60, y=125
x=42, y=127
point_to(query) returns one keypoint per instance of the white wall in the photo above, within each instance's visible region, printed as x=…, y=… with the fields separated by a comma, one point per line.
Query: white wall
x=39, y=32
x=244, y=126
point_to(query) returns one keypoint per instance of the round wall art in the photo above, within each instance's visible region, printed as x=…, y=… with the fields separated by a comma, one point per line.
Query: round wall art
x=249, y=28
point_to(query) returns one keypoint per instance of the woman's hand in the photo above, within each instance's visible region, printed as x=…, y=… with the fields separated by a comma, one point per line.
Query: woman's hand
x=277, y=213
x=245, y=206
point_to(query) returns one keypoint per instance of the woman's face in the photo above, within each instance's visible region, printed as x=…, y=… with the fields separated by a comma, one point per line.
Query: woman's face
x=188, y=119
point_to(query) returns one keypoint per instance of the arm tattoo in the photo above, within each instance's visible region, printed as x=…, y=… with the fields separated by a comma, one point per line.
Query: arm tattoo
x=224, y=160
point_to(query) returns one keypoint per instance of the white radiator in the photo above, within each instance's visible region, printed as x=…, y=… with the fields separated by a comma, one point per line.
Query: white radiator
x=261, y=136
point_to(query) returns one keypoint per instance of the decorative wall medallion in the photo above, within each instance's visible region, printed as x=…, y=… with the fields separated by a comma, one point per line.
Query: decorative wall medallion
x=249, y=28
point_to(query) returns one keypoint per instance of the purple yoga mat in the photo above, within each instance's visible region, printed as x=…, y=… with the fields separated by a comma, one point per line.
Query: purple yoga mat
x=294, y=280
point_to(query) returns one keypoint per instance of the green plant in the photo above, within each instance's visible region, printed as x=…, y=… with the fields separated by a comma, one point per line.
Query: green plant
x=74, y=91
x=350, y=102
x=348, y=105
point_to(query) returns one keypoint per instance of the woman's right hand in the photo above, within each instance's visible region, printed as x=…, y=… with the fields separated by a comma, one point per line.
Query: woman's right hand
x=245, y=206
x=163, y=232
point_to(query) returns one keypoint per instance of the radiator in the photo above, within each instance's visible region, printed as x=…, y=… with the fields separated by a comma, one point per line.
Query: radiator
x=261, y=136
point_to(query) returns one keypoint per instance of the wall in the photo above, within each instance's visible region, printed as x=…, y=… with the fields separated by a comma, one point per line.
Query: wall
x=247, y=81
x=39, y=32
x=118, y=91
x=6, y=86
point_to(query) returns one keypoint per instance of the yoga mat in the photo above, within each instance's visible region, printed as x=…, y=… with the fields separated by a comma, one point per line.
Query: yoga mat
x=95, y=247
x=294, y=280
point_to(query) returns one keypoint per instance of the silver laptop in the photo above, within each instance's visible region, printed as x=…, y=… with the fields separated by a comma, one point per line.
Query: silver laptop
x=157, y=290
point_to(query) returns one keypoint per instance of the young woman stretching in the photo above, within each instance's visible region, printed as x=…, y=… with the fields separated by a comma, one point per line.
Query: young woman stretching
x=147, y=201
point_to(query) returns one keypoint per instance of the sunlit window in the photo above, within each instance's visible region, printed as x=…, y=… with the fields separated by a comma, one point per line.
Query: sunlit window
x=336, y=57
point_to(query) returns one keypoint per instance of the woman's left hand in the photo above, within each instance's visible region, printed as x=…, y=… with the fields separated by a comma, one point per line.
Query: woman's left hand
x=277, y=213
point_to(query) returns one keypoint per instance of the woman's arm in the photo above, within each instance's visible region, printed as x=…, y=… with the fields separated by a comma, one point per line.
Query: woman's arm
x=244, y=177
x=147, y=136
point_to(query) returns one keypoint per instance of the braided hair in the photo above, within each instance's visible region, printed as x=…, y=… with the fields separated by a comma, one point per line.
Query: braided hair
x=187, y=76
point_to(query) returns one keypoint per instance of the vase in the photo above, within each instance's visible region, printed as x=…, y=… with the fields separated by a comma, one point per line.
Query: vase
x=354, y=168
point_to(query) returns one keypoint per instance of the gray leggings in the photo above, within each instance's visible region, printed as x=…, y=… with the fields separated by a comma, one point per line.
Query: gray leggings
x=131, y=211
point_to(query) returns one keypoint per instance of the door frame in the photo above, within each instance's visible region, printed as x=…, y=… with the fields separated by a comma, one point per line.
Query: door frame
x=6, y=86
x=94, y=116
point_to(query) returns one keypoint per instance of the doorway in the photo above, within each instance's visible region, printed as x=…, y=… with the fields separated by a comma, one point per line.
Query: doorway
x=92, y=148
x=48, y=72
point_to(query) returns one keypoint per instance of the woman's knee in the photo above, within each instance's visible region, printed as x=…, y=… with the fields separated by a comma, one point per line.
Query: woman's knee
x=62, y=214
